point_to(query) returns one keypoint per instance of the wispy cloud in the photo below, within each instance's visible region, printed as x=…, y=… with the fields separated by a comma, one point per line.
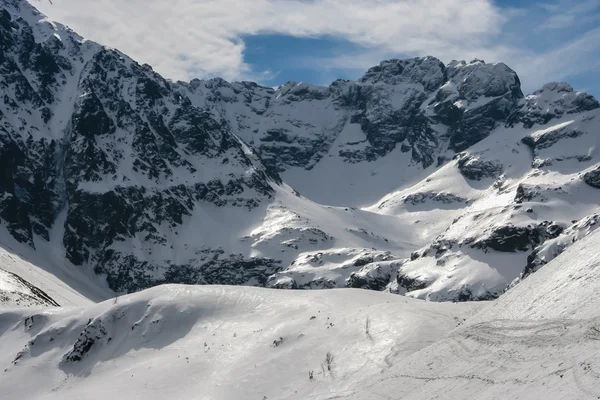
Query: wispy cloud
x=575, y=57
x=565, y=14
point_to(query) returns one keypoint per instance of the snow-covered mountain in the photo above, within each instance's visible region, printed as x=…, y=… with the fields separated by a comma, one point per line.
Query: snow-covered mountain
x=518, y=197
x=437, y=181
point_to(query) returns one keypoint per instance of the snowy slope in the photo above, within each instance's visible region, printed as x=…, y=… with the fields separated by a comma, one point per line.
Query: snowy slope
x=498, y=206
x=17, y=292
x=213, y=342
x=539, y=340
x=44, y=278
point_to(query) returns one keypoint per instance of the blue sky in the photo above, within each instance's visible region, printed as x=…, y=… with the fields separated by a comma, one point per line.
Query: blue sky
x=535, y=26
x=318, y=41
x=296, y=58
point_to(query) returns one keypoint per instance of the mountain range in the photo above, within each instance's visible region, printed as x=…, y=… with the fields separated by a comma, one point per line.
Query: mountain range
x=145, y=225
x=439, y=182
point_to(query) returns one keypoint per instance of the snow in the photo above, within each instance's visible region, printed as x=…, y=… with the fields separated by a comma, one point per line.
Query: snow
x=217, y=342
x=15, y=293
x=564, y=288
x=539, y=340
x=290, y=227
x=327, y=268
x=335, y=182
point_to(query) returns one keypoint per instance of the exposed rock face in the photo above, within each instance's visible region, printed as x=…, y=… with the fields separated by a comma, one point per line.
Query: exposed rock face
x=92, y=335
x=374, y=276
x=444, y=198
x=87, y=130
x=570, y=235
x=552, y=101
x=387, y=103
x=17, y=292
x=511, y=238
x=555, y=246
x=527, y=193
x=546, y=140
x=474, y=168
x=592, y=178
x=476, y=98
x=397, y=103
x=29, y=75
x=367, y=269
x=545, y=153
x=446, y=252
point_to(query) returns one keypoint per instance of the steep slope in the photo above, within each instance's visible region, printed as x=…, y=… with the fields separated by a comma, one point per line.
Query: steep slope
x=539, y=340
x=17, y=292
x=43, y=277
x=216, y=342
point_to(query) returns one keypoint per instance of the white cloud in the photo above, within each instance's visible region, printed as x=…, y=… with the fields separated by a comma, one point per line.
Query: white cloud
x=196, y=38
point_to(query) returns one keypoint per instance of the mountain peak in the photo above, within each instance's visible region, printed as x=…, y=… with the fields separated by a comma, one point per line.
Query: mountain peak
x=428, y=71
x=560, y=87
x=564, y=93
x=552, y=101
x=479, y=78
